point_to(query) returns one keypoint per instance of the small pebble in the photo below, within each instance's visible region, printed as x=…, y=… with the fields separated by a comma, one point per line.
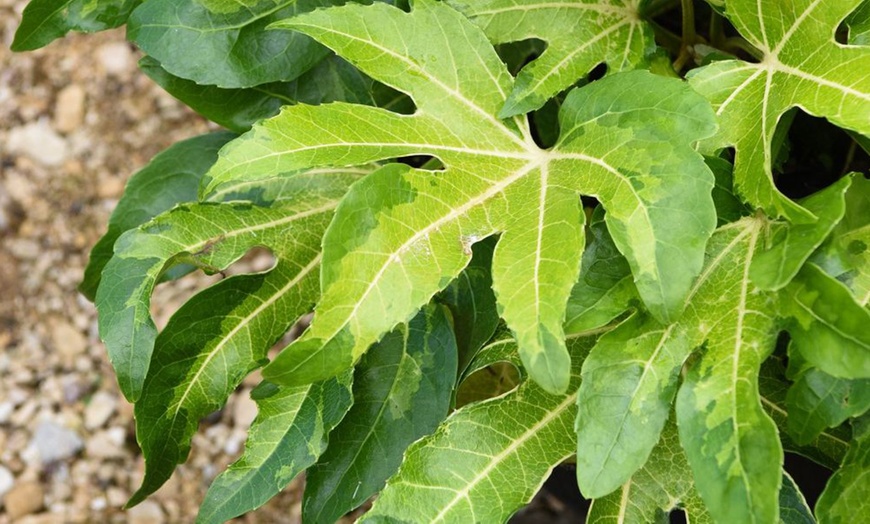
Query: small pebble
x=55, y=442
x=24, y=499
x=100, y=408
x=148, y=512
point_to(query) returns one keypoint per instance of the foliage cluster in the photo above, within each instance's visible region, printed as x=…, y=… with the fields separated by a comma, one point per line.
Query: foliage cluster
x=613, y=232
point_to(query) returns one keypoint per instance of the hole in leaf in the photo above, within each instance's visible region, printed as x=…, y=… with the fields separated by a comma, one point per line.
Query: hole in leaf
x=810, y=477
x=257, y=260
x=559, y=500
x=810, y=154
x=422, y=161
x=516, y=55
x=488, y=382
x=677, y=516
x=597, y=72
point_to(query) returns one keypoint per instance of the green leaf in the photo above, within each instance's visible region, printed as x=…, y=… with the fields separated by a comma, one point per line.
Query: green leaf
x=846, y=254
x=731, y=443
x=729, y=208
x=472, y=303
x=451, y=475
x=859, y=25
x=663, y=484
x=793, y=507
x=290, y=432
x=46, y=20
x=579, y=36
x=791, y=245
x=237, y=109
x=817, y=401
x=847, y=495
x=802, y=66
x=172, y=177
x=605, y=289
x=210, y=236
x=828, y=327
x=629, y=382
x=405, y=234
x=224, y=43
x=402, y=390
x=828, y=449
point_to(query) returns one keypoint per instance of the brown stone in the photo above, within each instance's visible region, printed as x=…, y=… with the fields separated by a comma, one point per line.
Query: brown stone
x=24, y=499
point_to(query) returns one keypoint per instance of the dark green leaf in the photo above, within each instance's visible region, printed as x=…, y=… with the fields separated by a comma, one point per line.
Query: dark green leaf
x=221, y=43
x=288, y=435
x=46, y=20
x=402, y=389
x=172, y=177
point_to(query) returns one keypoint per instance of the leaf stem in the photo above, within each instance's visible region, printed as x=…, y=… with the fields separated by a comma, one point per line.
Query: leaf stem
x=850, y=156
x=689, y=36
x=735, y=43
x=656, y=8
x=717, y=30
x=666, y=38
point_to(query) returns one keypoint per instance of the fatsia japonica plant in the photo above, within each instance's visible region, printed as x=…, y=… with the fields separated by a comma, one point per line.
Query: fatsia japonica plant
x=622, y=234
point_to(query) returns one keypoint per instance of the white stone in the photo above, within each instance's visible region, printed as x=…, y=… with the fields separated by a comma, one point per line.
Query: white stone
x=69, y=109
x=100, y=409
x=107, y=444
x=55, y=442
x=147, y=512
x=68, y=341
x=244, y=410
x=116, y=57
x=6, y=409
x=38, y=141
x=7, y=481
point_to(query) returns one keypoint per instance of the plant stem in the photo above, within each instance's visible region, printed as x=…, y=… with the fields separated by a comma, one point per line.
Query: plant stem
x=666, y=38
x=656, y=8
x=850, y=156
x=688, y=40
x=717, y=30
x=736, y=43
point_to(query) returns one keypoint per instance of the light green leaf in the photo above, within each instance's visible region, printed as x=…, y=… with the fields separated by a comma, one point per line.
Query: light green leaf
x=629, y=382
x=237, y=109
x=172, y=177
x=579, y=35
x=791, y=245
x=402, y=390
x=846, y=254
x=405, y=234
x=828, y=326
x=605, y=289
x=46, y=20
x=663, y=484
x=731, y=443
x=451, y=475
x=828, y=449
x=210, y=236
x=290, y=432
x=802, y=66
x=224, y=43
x=847, y=495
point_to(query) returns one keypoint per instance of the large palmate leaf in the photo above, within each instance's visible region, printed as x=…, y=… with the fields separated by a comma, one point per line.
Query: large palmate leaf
x=290, y=432
x=210, y=236
x=46, y=20
x=663, y=484
x=402, y=234
x=224, y=43
x=172, y=177
x=451, y=476
x=579, y=36
x=401, y=392
x=847, y=494
x=802, y=66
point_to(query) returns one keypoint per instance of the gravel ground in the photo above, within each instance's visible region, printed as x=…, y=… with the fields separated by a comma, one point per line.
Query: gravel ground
x=76, y=120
